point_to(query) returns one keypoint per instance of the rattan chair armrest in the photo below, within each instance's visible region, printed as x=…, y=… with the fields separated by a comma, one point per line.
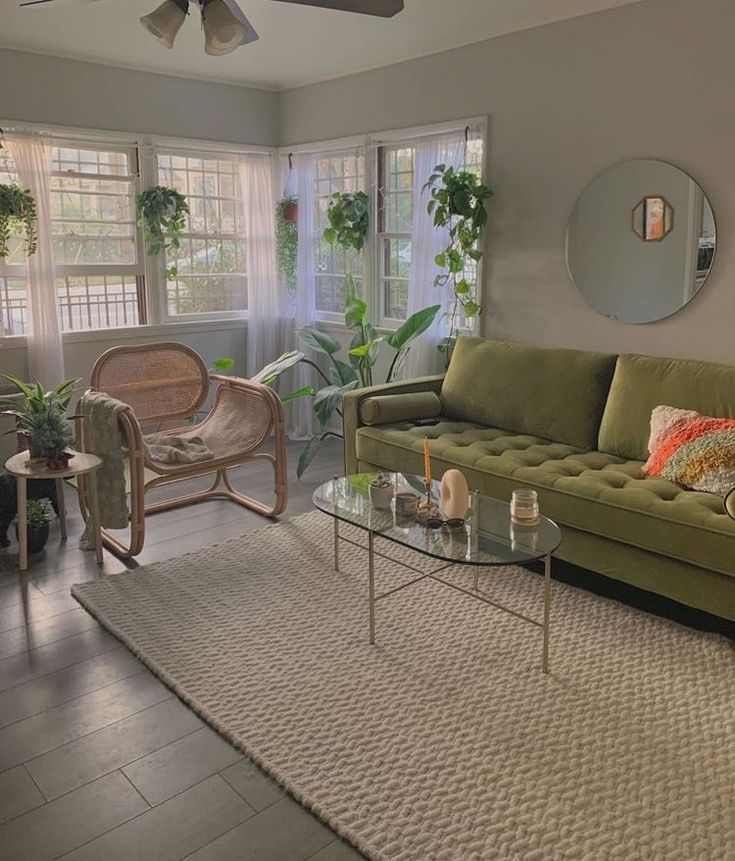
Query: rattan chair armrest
x=264, y=392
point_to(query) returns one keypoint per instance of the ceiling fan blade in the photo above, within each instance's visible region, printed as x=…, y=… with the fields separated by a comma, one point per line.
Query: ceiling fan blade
x=381, y=8
x=48, y=4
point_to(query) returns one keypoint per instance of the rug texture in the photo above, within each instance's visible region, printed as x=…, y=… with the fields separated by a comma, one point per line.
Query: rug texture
x=445, y=740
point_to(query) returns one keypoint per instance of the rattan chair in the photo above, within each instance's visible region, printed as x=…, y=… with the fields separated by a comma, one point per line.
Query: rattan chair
x=169, y=382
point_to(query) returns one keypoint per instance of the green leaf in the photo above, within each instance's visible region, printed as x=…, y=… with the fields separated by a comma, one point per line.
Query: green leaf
x=321, y=342
x=462, y=288
x=364, y=350
x=356, y=309
x=223, y=365
x=307, y=455
x=413, y=327
x=274, y=370
x=441, y=260
x=340, y=373
x=328, y=399
x=306, y=392
x=471, y=308
x=330, y=235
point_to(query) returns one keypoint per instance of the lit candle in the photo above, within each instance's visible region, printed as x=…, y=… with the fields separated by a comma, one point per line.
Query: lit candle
x=427, y=462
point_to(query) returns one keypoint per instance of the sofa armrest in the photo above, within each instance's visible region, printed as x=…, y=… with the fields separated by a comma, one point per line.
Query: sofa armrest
x=351, y=420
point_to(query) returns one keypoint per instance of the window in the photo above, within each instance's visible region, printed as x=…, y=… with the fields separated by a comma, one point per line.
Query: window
x=99, y=277
x=208, y=273
x=333, y=173
x=397, y=184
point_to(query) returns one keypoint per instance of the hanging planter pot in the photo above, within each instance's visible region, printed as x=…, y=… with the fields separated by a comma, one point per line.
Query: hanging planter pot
x=17, y=215
x=291, y=211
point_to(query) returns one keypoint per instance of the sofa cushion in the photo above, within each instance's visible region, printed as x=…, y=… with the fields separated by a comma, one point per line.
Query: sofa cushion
x=591, y=491
x=558, y=394
x=642, y=383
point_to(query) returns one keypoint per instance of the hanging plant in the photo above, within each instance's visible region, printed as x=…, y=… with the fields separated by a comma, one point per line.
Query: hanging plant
x=17, y=215
x=161, y=213
x=458, y=203
x=287, y=240
x=348, y=220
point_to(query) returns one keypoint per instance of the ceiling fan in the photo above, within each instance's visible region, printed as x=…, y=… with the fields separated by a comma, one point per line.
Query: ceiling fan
x=225, y=24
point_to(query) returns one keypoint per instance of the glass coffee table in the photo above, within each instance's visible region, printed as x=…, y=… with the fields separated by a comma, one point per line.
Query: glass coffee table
x=488, y=539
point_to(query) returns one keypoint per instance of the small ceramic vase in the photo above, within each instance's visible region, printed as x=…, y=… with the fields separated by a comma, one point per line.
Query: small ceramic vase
x=381, y=497
x=455, y=495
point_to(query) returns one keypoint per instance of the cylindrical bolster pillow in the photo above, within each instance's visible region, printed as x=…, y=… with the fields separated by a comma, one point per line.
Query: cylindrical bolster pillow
x=388, y=409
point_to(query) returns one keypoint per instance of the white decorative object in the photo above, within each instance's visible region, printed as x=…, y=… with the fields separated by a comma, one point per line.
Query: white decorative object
x=455, y=495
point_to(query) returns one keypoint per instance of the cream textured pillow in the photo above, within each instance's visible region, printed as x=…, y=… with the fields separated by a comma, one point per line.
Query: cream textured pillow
x=695, y=451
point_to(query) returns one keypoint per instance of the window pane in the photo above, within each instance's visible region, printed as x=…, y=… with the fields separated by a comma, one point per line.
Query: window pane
x=333, y=174
x=13, y=307
x=396, y=225
x=210, y=266
x=98, y=302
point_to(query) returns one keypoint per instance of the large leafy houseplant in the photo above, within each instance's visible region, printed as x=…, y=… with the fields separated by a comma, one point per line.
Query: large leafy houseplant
x=348, y=220
x=457, y=202
x=287, y=240
x=161, y=212
x=17, y=215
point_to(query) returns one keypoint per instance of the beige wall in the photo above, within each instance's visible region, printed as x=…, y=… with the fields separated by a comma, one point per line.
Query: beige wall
x=649, y=80
x=63, y=92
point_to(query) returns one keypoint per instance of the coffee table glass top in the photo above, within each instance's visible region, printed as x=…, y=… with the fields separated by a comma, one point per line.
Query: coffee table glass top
x=489, y=537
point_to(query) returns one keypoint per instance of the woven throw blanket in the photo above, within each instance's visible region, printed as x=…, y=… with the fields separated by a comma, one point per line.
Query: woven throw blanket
x=102, y=437
x=164, y=448
x=695, y=451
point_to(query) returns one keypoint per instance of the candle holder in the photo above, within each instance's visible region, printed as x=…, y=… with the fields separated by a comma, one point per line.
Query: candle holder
x=427, y=509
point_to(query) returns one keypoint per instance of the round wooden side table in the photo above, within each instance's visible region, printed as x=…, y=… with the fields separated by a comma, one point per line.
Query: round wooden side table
x=24, y=471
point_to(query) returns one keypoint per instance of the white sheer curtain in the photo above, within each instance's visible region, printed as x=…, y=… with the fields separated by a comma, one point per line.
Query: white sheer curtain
x=267, y=316
x=427, y=242
x=301, y=423
x=32, y=157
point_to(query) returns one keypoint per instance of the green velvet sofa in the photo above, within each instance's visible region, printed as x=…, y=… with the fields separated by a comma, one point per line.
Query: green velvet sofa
x=574, y=426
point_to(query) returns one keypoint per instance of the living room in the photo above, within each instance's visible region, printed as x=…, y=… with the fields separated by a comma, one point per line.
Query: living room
x=378, y=496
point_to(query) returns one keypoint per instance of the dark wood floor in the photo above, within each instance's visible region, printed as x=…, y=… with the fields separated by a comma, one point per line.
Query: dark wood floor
x=98, y=760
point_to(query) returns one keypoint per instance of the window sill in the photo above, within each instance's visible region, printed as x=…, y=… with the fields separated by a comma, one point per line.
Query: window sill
x=165, y=330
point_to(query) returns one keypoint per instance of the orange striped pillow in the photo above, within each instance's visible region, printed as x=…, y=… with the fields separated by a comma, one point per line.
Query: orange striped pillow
x=695, y=451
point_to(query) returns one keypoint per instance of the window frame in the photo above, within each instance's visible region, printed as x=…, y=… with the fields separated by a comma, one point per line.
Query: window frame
x=371, y=264
x=202, y=150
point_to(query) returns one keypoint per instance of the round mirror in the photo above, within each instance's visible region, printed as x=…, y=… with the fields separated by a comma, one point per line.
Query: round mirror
x=641, y=241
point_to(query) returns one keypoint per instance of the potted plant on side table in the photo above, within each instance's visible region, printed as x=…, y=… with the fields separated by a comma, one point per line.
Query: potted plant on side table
x=42, y=419
x=38, y=514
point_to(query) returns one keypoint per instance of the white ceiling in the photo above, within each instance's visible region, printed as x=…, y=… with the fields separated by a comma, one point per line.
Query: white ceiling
x=298, y=45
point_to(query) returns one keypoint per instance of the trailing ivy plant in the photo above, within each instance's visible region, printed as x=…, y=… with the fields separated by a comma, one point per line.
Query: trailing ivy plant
x=161, y=213
x=348, y=220
x=287, y=241
x=17, y=215
x=457, y=202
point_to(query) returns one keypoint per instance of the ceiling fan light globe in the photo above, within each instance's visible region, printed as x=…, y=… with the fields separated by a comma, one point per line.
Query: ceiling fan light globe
x=223, y=31
x=165, y=22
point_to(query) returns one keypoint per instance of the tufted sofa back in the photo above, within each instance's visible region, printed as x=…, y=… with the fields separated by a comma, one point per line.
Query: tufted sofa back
x=552, y=393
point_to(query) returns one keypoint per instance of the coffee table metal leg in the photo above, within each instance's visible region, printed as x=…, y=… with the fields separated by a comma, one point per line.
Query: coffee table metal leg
x=547, y=611
x=336, y=525
x=22, y=498
x=371, y=587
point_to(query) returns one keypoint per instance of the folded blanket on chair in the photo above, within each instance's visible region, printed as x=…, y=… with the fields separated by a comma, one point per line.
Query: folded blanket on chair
x=102, y=437
x=164, y=448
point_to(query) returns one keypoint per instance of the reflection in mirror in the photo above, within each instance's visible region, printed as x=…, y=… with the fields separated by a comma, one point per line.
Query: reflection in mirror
x=652, y=270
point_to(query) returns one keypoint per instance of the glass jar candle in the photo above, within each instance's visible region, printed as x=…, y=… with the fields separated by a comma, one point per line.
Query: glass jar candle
x=524, y=507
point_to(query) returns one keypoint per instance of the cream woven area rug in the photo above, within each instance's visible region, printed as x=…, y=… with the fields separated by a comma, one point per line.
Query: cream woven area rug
x=444, y=741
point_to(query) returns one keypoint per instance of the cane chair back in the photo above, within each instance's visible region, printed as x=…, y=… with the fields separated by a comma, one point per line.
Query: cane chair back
x=160, y=382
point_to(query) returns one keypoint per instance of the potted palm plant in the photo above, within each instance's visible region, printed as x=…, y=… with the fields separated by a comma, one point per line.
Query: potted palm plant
x=39, y=513
x=42, y=419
